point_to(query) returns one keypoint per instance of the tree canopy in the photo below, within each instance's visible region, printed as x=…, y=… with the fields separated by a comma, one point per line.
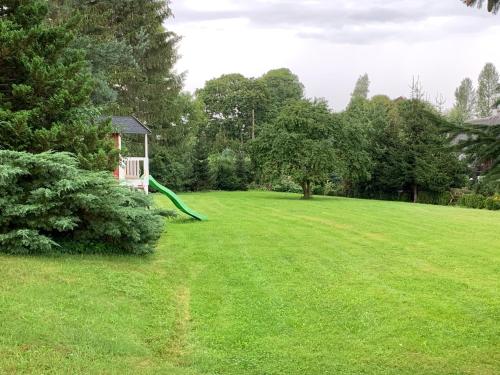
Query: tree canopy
x=45, y=86
x=299, y=143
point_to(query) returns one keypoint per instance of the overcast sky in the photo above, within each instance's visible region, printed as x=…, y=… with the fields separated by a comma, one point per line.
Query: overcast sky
x=329, y=43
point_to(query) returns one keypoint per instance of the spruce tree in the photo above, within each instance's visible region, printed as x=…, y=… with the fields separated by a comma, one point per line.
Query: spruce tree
x=429, y=165
x=45, y=87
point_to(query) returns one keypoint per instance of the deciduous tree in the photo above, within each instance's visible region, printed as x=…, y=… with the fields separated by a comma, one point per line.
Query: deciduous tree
x=300, y=144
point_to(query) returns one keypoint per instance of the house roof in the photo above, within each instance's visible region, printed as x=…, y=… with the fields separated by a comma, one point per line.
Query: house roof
x=492, y=120
x=128, y=125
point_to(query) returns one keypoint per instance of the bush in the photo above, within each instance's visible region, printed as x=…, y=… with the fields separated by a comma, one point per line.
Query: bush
x=48, y=203
x=286, y=185
x=224, y=170
x=472, y=201
x=441, y=198
x=493, y=203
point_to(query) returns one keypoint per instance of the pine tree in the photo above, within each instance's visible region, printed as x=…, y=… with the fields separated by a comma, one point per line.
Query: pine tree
x=45, y=87
x=487, y=90
x=362, y=88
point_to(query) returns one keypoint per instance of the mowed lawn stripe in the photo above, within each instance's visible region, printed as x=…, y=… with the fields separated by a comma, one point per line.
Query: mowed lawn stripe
x=328, y=263
x=270, y=284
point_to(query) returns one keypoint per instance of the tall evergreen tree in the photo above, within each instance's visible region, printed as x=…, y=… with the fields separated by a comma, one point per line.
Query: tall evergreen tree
x=429, y=165
x=487, y=90
x=45, y=87
x=465, y=102
x=131, y=52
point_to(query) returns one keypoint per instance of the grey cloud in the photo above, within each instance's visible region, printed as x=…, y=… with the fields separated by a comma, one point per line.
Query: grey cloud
x=339, y=22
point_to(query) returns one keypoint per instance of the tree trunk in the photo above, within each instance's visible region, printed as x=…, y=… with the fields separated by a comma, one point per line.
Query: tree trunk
x=415, y=193
x=306, y=190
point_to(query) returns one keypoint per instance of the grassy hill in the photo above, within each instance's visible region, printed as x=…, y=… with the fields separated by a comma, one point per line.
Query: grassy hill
x=270, y=284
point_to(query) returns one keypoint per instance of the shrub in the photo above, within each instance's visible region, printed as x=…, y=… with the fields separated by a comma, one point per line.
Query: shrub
x=48, y=203
x=224, y=170
x=441, y=198
x=286, y=185
x=493, y=203
x=472, y=201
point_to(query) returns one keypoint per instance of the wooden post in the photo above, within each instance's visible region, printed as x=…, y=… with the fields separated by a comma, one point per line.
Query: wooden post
x=117, y=139
x=146, y=165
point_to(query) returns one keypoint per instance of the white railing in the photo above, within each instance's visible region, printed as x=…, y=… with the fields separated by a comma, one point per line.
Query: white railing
x=135, y=171
x=134, y=168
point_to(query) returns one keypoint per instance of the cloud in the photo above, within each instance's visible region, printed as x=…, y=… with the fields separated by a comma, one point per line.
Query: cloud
x=346, y=21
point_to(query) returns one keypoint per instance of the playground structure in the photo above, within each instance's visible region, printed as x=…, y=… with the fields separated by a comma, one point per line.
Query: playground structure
x=134, y=171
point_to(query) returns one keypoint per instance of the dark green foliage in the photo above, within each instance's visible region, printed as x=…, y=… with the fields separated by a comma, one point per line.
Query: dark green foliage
x=299, y=143
x=482, y=146
x=200, y=177
x=472, y=201
x=493, y=203
x=429, y=165
x=131, y=56
x=131, y=52
x=286, y=185
x=241, y=171
x=172, y=145
x=224, y=171
x=49, y=204
x=169, y=169
x=441, y=198
x=485, y=186
x=281, y=85
x=45, y=86
x=391, y=148
x=353, y=132
x=233, y=103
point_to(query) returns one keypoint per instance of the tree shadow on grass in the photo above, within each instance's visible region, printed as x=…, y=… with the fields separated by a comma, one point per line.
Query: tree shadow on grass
x=184, y=220
x=295, y=197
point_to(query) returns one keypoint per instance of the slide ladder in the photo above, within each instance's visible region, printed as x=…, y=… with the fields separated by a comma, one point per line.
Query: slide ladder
x=176, y=200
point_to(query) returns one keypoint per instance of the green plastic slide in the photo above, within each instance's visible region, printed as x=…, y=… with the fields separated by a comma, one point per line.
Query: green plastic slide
x=176, y=200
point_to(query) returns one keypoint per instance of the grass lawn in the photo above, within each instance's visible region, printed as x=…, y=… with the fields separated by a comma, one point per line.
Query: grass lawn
x=269, y=285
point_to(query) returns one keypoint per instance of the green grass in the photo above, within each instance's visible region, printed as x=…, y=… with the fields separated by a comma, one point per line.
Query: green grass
x=270, y=284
